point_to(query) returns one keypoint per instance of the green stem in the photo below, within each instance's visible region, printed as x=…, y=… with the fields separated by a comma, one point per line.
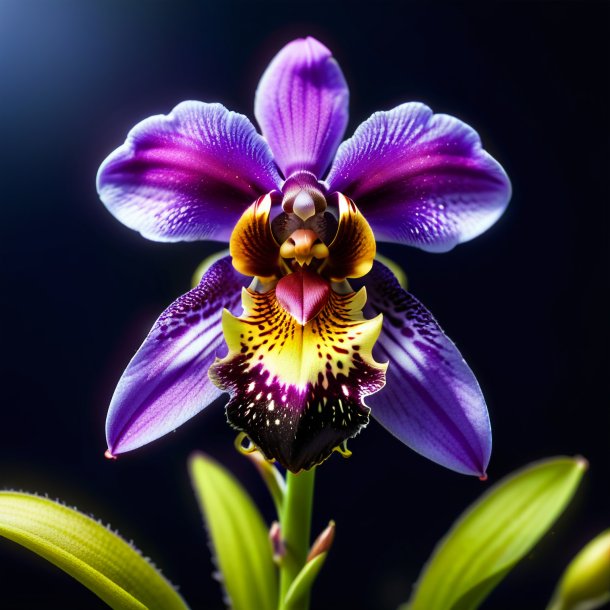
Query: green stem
x=295, y=522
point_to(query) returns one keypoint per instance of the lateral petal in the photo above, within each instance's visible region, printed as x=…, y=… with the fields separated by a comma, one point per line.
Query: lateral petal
x=187, y=175
x=432, y=401
x=421, y=179
x=252, y=246
x=166, y=383
x=352, y=251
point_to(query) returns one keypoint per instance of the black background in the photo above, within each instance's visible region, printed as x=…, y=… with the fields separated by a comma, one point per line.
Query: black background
x=525, y=302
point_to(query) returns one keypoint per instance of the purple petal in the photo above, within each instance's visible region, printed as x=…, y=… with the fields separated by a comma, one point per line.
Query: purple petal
x=421, y=179
x=187, y=175
x=432, y=401
x=166, y=383
x=301, y=106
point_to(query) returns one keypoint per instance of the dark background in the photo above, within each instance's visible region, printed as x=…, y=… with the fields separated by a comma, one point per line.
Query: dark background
x=525, y=302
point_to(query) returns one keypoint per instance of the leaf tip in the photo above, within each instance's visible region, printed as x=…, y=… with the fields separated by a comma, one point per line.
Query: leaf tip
x=581, y=462
x=197, y=460
x=197, y=456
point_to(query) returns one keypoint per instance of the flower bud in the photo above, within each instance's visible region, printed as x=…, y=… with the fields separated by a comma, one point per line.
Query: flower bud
x=323, y=542
x=277, y=542
x=585, y=584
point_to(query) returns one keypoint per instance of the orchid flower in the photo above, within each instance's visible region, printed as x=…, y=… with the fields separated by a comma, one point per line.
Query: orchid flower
x=278, y=323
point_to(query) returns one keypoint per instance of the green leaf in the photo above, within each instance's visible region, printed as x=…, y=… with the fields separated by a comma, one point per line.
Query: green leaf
x=496, y=532
x=301, y=585
x=92, y=554
x=239, y=536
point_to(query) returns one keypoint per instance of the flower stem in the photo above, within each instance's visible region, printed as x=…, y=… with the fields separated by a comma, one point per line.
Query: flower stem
x=295, y=523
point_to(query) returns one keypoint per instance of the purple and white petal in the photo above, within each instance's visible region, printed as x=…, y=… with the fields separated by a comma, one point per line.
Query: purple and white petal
x=187, y=175
x=432, y=401
x=301, y=105
x=421, y=179
x=166, y=383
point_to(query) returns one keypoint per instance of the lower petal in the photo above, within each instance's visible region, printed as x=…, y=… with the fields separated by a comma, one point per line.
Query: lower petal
x=166, y=383
x=432, y=401
x=297, y=390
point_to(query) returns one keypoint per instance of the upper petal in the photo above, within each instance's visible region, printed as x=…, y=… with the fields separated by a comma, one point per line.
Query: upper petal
x=420, y=178
x=301, y=106
x=187, y=175
x=166, y=383
x=432, y=401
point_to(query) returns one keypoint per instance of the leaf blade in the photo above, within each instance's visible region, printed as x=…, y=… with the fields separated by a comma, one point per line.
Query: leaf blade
x=86, y=550
x=302, y=584
x=494, y=533
x=238, y=534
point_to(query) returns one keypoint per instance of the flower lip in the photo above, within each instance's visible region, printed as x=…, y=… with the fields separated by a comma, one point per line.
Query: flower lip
x=297, y=390
x=303, y=294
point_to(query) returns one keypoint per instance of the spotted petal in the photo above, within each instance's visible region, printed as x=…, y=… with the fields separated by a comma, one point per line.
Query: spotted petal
x=432, y=401
x=301, y=105
x=297, y=390
x=188, y=175
x=167, y=383
x=253, y=247
x=421, y=179
x=352, y=251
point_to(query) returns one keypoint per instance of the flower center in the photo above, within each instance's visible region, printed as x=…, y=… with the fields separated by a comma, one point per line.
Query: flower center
x=304, y=196
x=305, y=228
x=321, y=250
x=304, y=245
